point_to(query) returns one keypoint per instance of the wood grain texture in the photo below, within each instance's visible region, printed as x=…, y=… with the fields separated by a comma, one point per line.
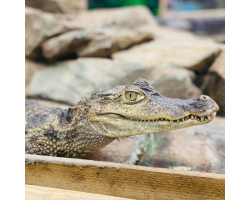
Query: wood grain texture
x=122, y=180
x=45, y=193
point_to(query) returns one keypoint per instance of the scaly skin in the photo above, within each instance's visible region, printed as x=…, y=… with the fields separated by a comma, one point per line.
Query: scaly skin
x=120, y=112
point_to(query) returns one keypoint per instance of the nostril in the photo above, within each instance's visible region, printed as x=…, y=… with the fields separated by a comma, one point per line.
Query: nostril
x=202, y=98
x=216, y=108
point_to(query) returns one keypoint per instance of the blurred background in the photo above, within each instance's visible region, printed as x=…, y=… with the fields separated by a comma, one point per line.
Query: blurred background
x=79, y=47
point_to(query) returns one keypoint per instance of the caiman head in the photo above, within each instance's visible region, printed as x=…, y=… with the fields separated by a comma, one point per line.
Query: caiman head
x=139, y=109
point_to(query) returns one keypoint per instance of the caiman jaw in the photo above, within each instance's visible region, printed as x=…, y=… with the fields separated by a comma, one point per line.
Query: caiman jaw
x=192, y=117
x=116, y=125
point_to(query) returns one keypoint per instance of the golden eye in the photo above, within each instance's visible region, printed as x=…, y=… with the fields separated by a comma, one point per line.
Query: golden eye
x=131, y=96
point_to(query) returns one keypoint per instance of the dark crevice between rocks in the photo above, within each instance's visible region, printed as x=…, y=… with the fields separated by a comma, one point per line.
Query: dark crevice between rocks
x=203, y=67
x=36, y=55
x=71, y=56
x=39, y=60
x=201, y=77
x=216, y=90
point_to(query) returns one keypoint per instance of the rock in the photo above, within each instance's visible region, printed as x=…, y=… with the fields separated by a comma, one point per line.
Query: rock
x=124, y=150
x=93, y=42
x=191, y=54
x=198, y=148
x=30, y=68
x=40, y=26
x=74, y=80
x=55, y=6
x=216, y=82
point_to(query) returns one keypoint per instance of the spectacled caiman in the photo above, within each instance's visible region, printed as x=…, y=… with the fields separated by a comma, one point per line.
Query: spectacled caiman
x=120, y=112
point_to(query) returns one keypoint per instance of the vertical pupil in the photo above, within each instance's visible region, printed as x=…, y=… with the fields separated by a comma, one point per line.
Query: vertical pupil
x=130, y=95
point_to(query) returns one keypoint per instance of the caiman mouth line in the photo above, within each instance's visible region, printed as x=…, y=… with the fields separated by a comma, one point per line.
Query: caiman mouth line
x=189, y=117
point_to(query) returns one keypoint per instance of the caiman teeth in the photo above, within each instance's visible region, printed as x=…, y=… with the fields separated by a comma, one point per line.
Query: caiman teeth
x=213, y=114
x=190, y=117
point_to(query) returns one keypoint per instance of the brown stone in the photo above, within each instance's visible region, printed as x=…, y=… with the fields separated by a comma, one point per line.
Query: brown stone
x=61, y=6
x=40, y=26
x=93, y=42
x=198, y=148
x=175, y=52
x=216, y=82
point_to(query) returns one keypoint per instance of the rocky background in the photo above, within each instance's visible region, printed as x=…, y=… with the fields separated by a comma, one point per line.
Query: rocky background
x=72, y=52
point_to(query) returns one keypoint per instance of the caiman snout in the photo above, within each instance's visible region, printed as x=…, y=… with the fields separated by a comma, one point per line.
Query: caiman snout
x=205, y=98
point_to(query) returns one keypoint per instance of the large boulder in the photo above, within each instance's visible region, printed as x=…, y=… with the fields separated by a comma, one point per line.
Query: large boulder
x=92, y=42
x=172, y=51
x=216, y=82
x=198, y=148
x=40, y=26
x=74, y=80
x=62, y=6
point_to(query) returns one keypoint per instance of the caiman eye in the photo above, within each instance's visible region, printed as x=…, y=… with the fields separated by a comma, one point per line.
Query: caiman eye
x=131, y=96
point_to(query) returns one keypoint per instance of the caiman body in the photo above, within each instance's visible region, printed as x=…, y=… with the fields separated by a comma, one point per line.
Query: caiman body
x=120, y=112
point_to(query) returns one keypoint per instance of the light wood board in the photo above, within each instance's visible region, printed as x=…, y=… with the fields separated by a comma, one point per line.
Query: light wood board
x=122, y=180
x=45, y=193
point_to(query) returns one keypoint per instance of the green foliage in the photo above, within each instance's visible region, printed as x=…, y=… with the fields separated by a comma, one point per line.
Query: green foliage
x=151, y=4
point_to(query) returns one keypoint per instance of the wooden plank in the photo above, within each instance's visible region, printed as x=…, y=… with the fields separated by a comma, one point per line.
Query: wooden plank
x=122, y=180
x=46, y=193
